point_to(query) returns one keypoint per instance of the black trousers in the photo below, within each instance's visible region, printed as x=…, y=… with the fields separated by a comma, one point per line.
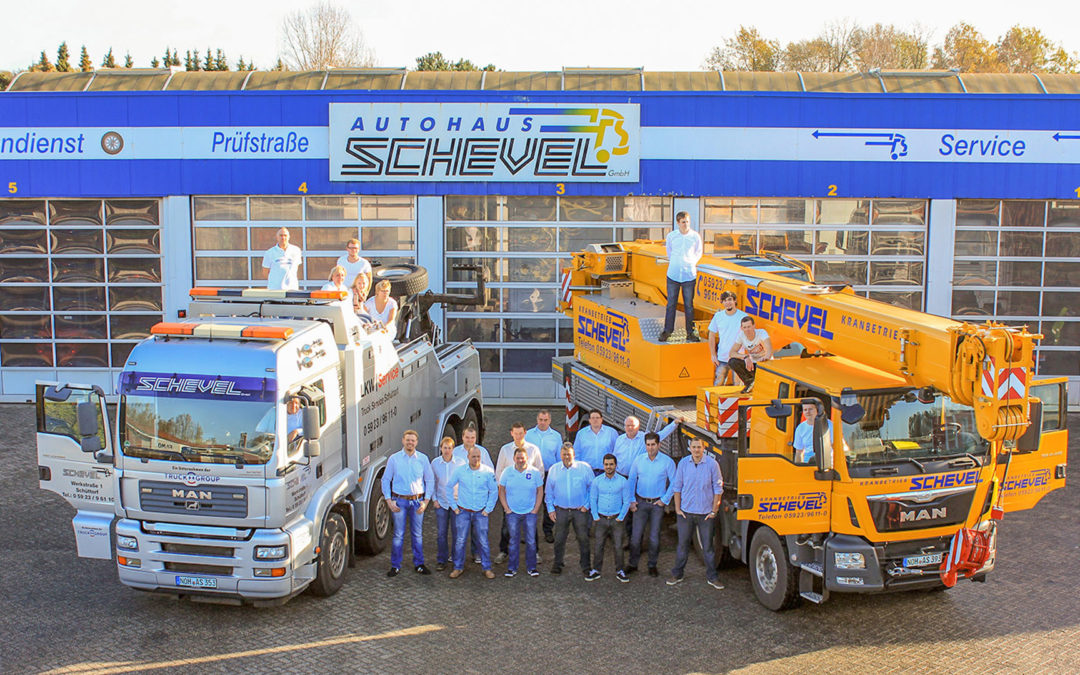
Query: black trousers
x=739, y=366
x=580, y=520
x=602, y=529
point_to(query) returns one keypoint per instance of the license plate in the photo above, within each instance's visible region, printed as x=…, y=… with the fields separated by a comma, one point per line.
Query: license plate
x=921, y=560
x=196, y=582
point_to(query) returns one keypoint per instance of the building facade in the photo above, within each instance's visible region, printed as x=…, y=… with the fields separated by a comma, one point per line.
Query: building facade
x=120, y=191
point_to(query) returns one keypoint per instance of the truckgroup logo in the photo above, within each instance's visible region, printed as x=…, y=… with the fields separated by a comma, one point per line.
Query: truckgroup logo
x=604, y=332
x=802, y=505
x=191, y=478
x=484, y=142
x=945, y=480
x=788, y=312
x=179, y=385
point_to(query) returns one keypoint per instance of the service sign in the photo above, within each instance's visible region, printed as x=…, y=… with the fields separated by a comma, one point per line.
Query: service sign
x=506, y=142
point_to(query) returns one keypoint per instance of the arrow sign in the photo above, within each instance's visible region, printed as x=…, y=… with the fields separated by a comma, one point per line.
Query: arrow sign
x=896, y=143
x=1065, y=137
x=848, y=134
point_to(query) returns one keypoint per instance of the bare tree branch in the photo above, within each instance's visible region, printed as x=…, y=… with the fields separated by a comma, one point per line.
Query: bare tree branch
x=324, y=36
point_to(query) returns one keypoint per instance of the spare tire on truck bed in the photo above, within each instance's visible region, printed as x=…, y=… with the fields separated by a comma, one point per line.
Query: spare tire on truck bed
x=405, y=279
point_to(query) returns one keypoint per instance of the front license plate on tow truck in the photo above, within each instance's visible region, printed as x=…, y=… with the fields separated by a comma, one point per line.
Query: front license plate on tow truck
x=196, y=582
x=923, y=560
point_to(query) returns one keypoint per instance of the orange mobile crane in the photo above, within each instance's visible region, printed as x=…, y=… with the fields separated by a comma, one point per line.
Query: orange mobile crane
x=928, y=430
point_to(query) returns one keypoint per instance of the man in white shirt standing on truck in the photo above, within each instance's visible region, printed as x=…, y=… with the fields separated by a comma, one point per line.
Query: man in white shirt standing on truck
x=723, y=329
x=355, y=265
x=282, y=262
x=684, y=249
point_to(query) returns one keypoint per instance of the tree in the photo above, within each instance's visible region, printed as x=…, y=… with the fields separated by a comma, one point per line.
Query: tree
x=890, y=48
x=128, y=61
x=324, y=36
x=240, y=65
x=966, y=49
x=280, y=65
x=191, y=60
x=840, y=39
x=43, y=65
x=1027, y=50
x=747, y=50
x=154, y=63
x=807, y=56
x=85, y=64
x=208, y=60
x=220, y=61
x=109, y=61
x=436, y=61
x=62, y=64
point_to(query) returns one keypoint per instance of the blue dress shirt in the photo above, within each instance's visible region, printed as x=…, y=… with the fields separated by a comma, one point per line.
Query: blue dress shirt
x=568, y=488
x=550, y=444
x=652, y=478
x=485, y=457
x=476, y=489
x=804, y=440
x=607, y=497
x=521, y=488
x=408, y=475
x=443, y=470
x=590, y=447
x=697, y=483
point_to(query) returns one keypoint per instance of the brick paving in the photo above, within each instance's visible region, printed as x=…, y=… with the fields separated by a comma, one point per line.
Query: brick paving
x=63, y=614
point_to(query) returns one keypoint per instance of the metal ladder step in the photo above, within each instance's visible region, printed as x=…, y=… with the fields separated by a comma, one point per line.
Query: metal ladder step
x=814, y=568
x=813, y=597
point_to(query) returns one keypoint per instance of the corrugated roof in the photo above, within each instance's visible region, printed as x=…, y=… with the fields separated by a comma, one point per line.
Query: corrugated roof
x=569, y=79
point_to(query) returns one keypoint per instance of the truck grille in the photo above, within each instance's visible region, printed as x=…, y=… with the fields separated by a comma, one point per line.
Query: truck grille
x=915, y=511
x=193, y=549
x=218, y=500
x=193, y=568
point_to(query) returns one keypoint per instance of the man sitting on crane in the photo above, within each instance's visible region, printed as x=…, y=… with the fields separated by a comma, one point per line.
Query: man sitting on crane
x=752, y=345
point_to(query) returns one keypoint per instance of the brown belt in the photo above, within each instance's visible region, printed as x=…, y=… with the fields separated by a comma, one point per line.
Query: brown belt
x=397, y=496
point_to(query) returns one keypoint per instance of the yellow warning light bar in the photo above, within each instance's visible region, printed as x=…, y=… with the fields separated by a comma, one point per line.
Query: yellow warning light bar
x=217, y=330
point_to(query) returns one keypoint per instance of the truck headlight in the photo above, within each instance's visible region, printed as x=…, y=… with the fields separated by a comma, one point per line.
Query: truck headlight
x=271, y=552
x=127, y=543
x=849, y=561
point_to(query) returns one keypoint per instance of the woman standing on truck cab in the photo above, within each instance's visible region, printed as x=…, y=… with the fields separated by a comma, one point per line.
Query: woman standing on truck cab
x=337, y=283
x=381, y=306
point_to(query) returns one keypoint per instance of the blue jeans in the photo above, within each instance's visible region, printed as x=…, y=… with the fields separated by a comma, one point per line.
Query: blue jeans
x=648, y=515
x=686, y=525
x=673, y=290
x=444, y=519
x=515, y=522
x=407, y=513
x=478, y=523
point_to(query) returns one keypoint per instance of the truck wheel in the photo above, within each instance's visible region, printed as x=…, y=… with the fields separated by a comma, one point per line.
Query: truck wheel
x=774, y=580
x=453, y=430
x=333, y=556
x=473, y=420
x=373, y=541
x=404, y=279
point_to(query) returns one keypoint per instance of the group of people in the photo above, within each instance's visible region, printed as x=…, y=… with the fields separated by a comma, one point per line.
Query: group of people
x=351, y=274
x=603, y=485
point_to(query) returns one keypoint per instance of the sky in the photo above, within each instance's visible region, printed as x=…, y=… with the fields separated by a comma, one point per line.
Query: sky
x=512, y=35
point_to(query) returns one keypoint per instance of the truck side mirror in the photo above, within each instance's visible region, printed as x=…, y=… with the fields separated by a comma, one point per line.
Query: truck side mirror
x=822, y=444
x=87, y=420
x=311, y=422
x=777, y=409
x=312, y=447
x=1029, y=442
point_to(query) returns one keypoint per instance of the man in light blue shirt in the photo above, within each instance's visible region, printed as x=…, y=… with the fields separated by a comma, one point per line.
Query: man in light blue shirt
x=650, y=486
x=609, y=504
x=468, y=442
x=684, y=249
x=628, y=447
x=443, y=468
x=550, y=442
x=697, y=489
x=567, y=497
x=476, y=496
x=595, y=441
x=521, y=491
x=407, y=485
x=804, y=434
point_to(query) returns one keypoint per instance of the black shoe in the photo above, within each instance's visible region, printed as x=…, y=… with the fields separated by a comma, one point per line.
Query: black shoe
x=534, y=573
x=692, y=336
x=420, y=569
x=664, y=336
x=653, y=572
x=556, y=569
x=630, y=569
x=746, y=389
x=393, y=572
x=549, y=537
x=592, y=575
x=621, y=576
x=673, y=581
x=439, y=567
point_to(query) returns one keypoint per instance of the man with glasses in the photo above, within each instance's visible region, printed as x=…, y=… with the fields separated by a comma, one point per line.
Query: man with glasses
x=355, y=265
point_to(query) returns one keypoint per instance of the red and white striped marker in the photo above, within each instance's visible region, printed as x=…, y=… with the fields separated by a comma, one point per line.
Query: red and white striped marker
x=571, y=409
x=567, y=296
x=1007, y=384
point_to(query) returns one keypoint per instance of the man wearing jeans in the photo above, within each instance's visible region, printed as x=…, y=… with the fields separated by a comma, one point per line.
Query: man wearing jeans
x=567, y=498
x=550, y=442
x=609, y=504
x=473, y=503
x=697, y=489
x=651, y=486
x=521, y=490
x=684, y=249
x=443, y=468
x=407, y=484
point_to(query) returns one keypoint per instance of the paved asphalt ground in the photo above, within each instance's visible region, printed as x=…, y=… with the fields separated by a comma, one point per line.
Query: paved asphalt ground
x=59, y=613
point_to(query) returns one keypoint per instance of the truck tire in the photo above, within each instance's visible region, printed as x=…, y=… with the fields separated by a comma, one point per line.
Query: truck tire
x=373, y=540
x=452, y=428
x=404, y=279
x=333, y=556
x=775, y=581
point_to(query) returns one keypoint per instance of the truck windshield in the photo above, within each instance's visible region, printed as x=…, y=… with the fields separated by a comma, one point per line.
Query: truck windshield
x=900, y=429
x=197, y=419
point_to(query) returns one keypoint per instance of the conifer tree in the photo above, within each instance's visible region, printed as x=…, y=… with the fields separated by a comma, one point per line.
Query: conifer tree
x=220, y=62
x=43, y=64
x=128, y=61
x=154, y=63
x=62, y=63
x=85, y=64
x=108, y=61
x=208, y=60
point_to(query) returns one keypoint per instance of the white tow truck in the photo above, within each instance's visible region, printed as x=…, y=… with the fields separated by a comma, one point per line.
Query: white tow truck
x=212, y=484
